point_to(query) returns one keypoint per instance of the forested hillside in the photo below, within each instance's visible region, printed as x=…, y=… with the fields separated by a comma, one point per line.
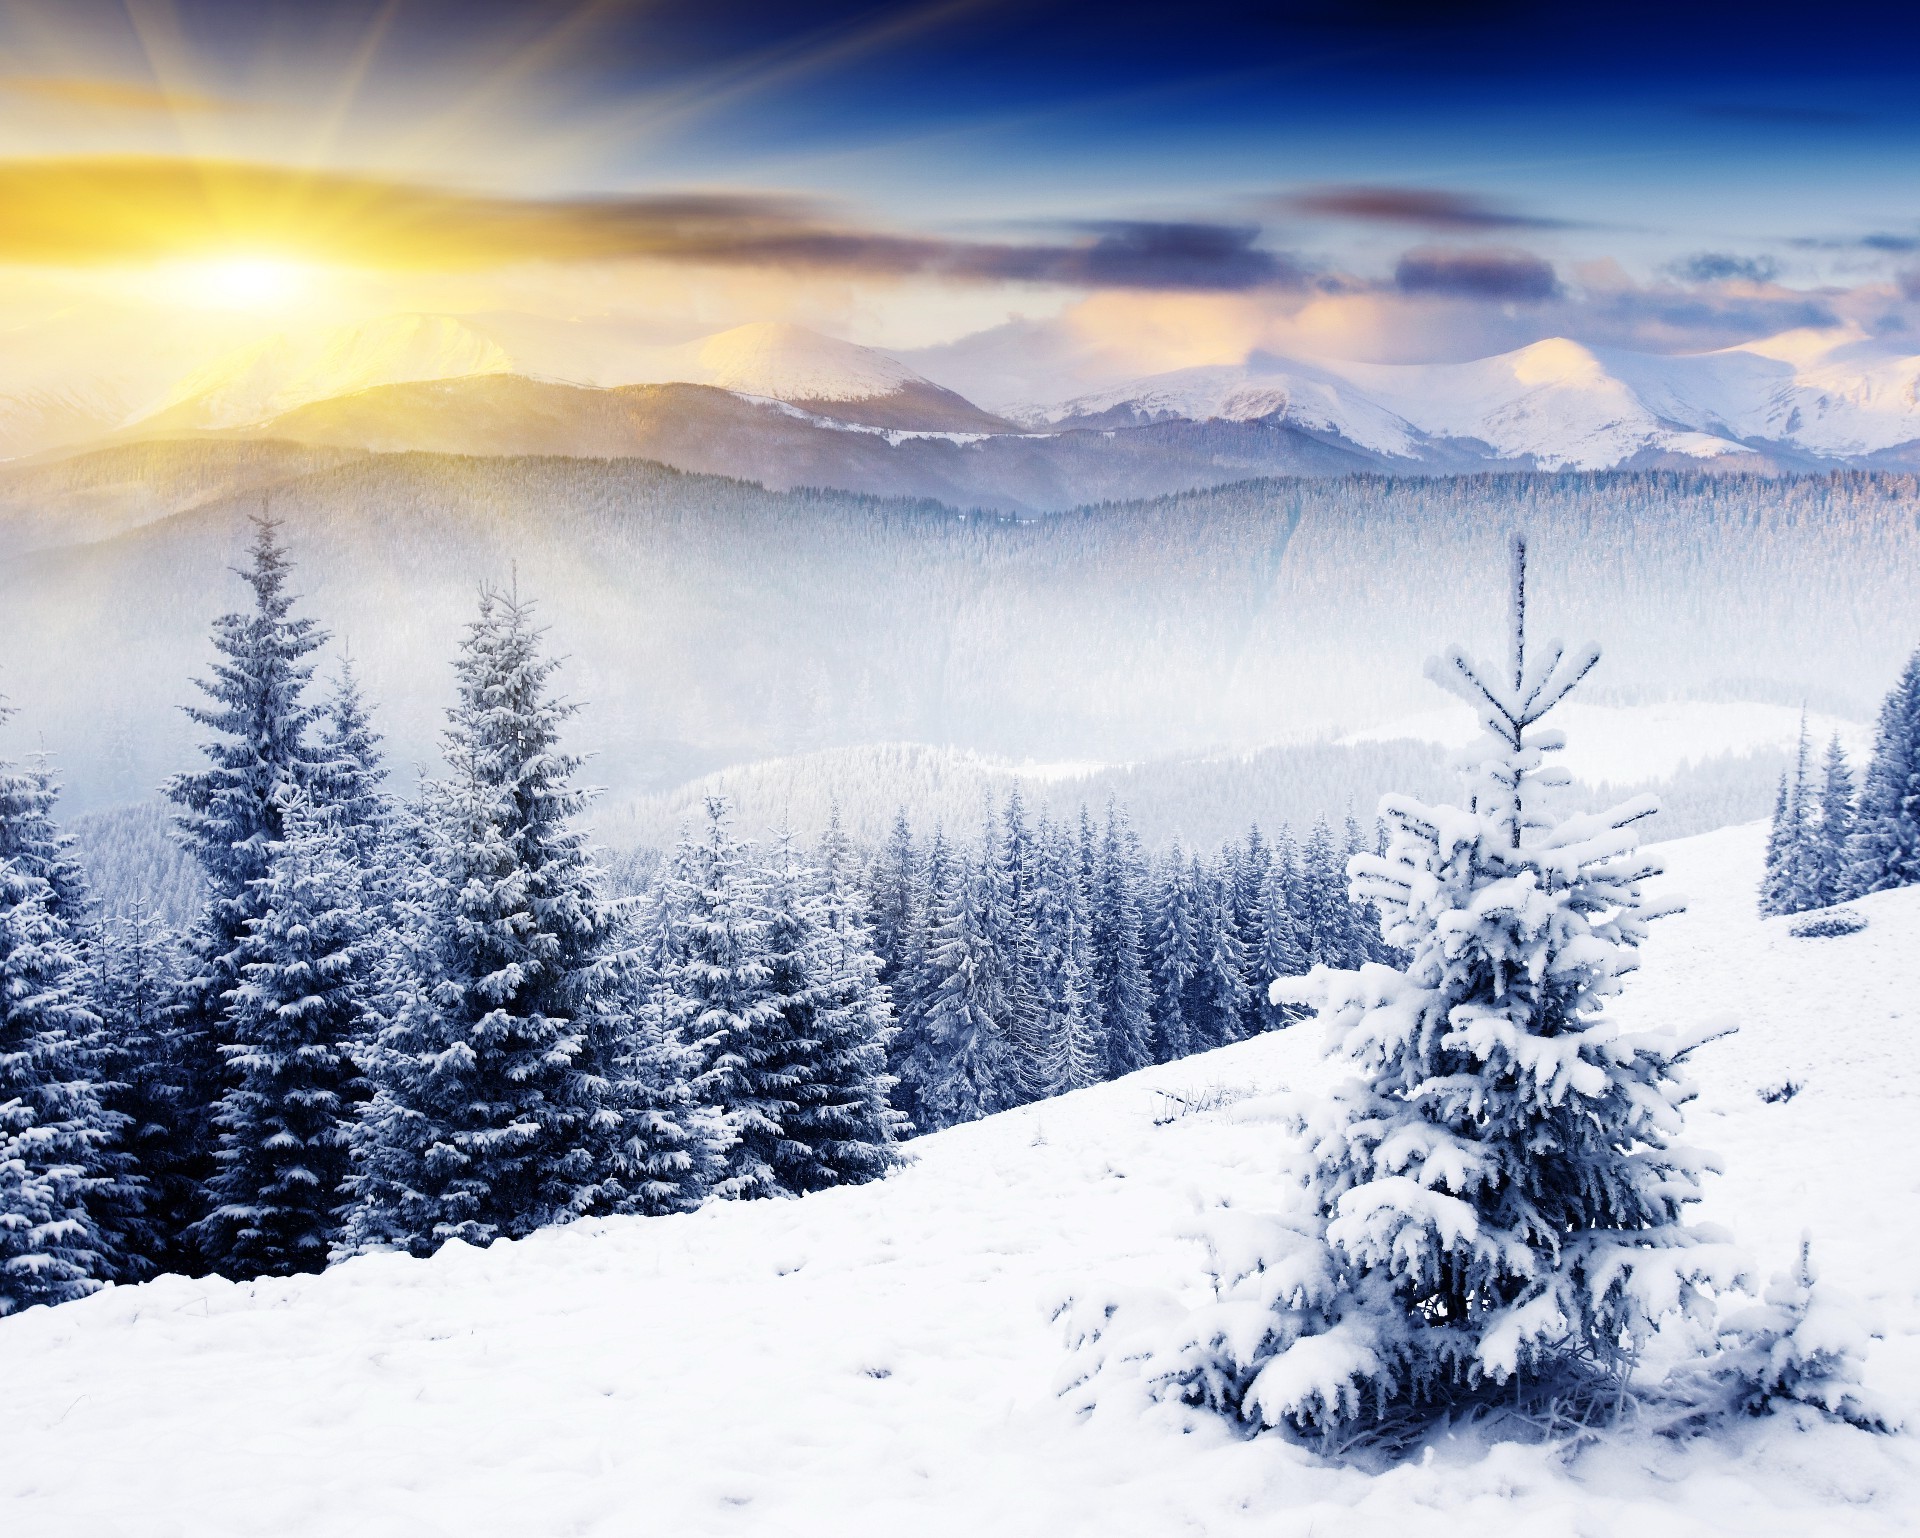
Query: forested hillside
x=711, y=622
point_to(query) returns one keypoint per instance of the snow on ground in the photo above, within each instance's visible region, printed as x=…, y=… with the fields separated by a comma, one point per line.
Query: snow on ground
x=1630, y=744
x=881, y=1360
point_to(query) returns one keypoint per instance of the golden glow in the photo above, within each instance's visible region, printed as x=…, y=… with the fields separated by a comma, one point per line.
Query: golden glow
x=96, y=94
x=256, y=283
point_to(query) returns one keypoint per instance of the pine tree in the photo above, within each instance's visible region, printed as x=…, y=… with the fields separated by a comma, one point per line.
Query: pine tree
x=1217, y=997
x=1885, y=849
x=1281, y=955
x=1829, y=863
x=910, y=1054
x=1014, y=922
x=1790, y=879
x=293, y=1025
x=723, y=1005
x=971, y=1066
x=1325, y=915
x=843, y=1114
x=71, y=1199
x=894, y=891
x=1498, y=1191
x=1121, y=981
x=231, y=813
x=136, y=971
x=665, y=1148
x=1255, y=860
x=1176, y=958
x=350, y=774
x=490, y=1099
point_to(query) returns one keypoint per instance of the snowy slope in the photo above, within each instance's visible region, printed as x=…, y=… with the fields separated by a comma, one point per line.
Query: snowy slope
x=881, y=1360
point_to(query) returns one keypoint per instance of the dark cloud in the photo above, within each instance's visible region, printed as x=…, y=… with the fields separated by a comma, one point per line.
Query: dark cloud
x=110, y=209
x=1910, y=283
x=1898, y=244
x=1427, y=207
x=1493, y=273
x=1719, y=266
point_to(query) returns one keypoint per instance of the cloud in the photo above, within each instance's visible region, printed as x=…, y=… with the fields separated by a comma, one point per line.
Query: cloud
x=112, y=209
x=1898, y=244
x=1426, y=207
x=1494, y=273
x=1719, y=266
x=99, y=94
x=1910, y=283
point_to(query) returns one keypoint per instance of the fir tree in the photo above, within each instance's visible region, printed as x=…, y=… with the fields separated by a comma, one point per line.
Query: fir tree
x=723, y=1004
x=971, y=1067
x=231, y=813
x=1120, y=979
x=895, y=876
x=910, y=1058
x=293, y=1026
x=1281, y=955
x=1498, y=1192
x=55, y=1135
x=842, y=1115
x=1176, y=959
x=1885, y=848
x=1217, y=997
x=489, y=1108
x=1828, y=884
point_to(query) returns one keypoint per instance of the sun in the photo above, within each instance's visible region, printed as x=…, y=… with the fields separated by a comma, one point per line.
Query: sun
x=244, y=282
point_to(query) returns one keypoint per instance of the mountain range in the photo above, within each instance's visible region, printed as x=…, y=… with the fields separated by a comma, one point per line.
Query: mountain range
x=787, y=407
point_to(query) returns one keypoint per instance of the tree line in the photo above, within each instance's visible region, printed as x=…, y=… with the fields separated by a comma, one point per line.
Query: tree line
x=398, y=1022
x=1830, y=841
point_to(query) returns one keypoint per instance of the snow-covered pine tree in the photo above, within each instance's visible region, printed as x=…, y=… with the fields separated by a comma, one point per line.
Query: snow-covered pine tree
x=1120, y=979
x=1066, y=1006
x=1325, y=915
x=844, y=1114
x=910, y=1053
x=258, y=757
x=1216, y=1002
x=664, y=1147
x=892, y=905
x=54, y=1132
x=490, y=1087
x=1014, y=923
x=1828, y=874
x=293, y=1026
x=1885, y=849
x=723, y=1005
x=137, y=964
x=1250, y=879
x=1790, y=879
x=1176, y=958
x=1280, y=954
x=1497, y=1194
x=971, y=1067
x=350, y=773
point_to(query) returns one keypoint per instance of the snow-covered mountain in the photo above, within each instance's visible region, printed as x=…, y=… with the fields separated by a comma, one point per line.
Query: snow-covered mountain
x=1796, y=400
x=887, y=1357
x=837, y=379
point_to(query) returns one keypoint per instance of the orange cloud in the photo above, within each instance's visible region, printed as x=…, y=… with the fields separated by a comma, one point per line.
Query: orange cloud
x=108, y=209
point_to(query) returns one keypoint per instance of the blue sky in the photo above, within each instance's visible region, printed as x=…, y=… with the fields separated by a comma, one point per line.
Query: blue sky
x=1659, y=175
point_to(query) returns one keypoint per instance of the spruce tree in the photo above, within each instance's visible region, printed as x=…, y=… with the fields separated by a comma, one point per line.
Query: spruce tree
x=1280, y=955
x=723, y=1004
x=1498, y=1190
x=1835, y=836
x=841, y=1114
x=259, y=757
x=1121, y=982
x=1217, y=997
x=293, y=1027
x=910, y=1053
x=1176, y=959
x=895, y=875
x=971, y=1066
x=1885, y=849
x=490, y=1079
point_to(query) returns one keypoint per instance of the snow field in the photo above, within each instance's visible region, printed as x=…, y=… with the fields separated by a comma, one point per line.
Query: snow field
x=883, y=1359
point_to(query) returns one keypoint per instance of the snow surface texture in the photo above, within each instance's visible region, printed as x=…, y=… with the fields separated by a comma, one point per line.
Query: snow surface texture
x=881, y=1359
